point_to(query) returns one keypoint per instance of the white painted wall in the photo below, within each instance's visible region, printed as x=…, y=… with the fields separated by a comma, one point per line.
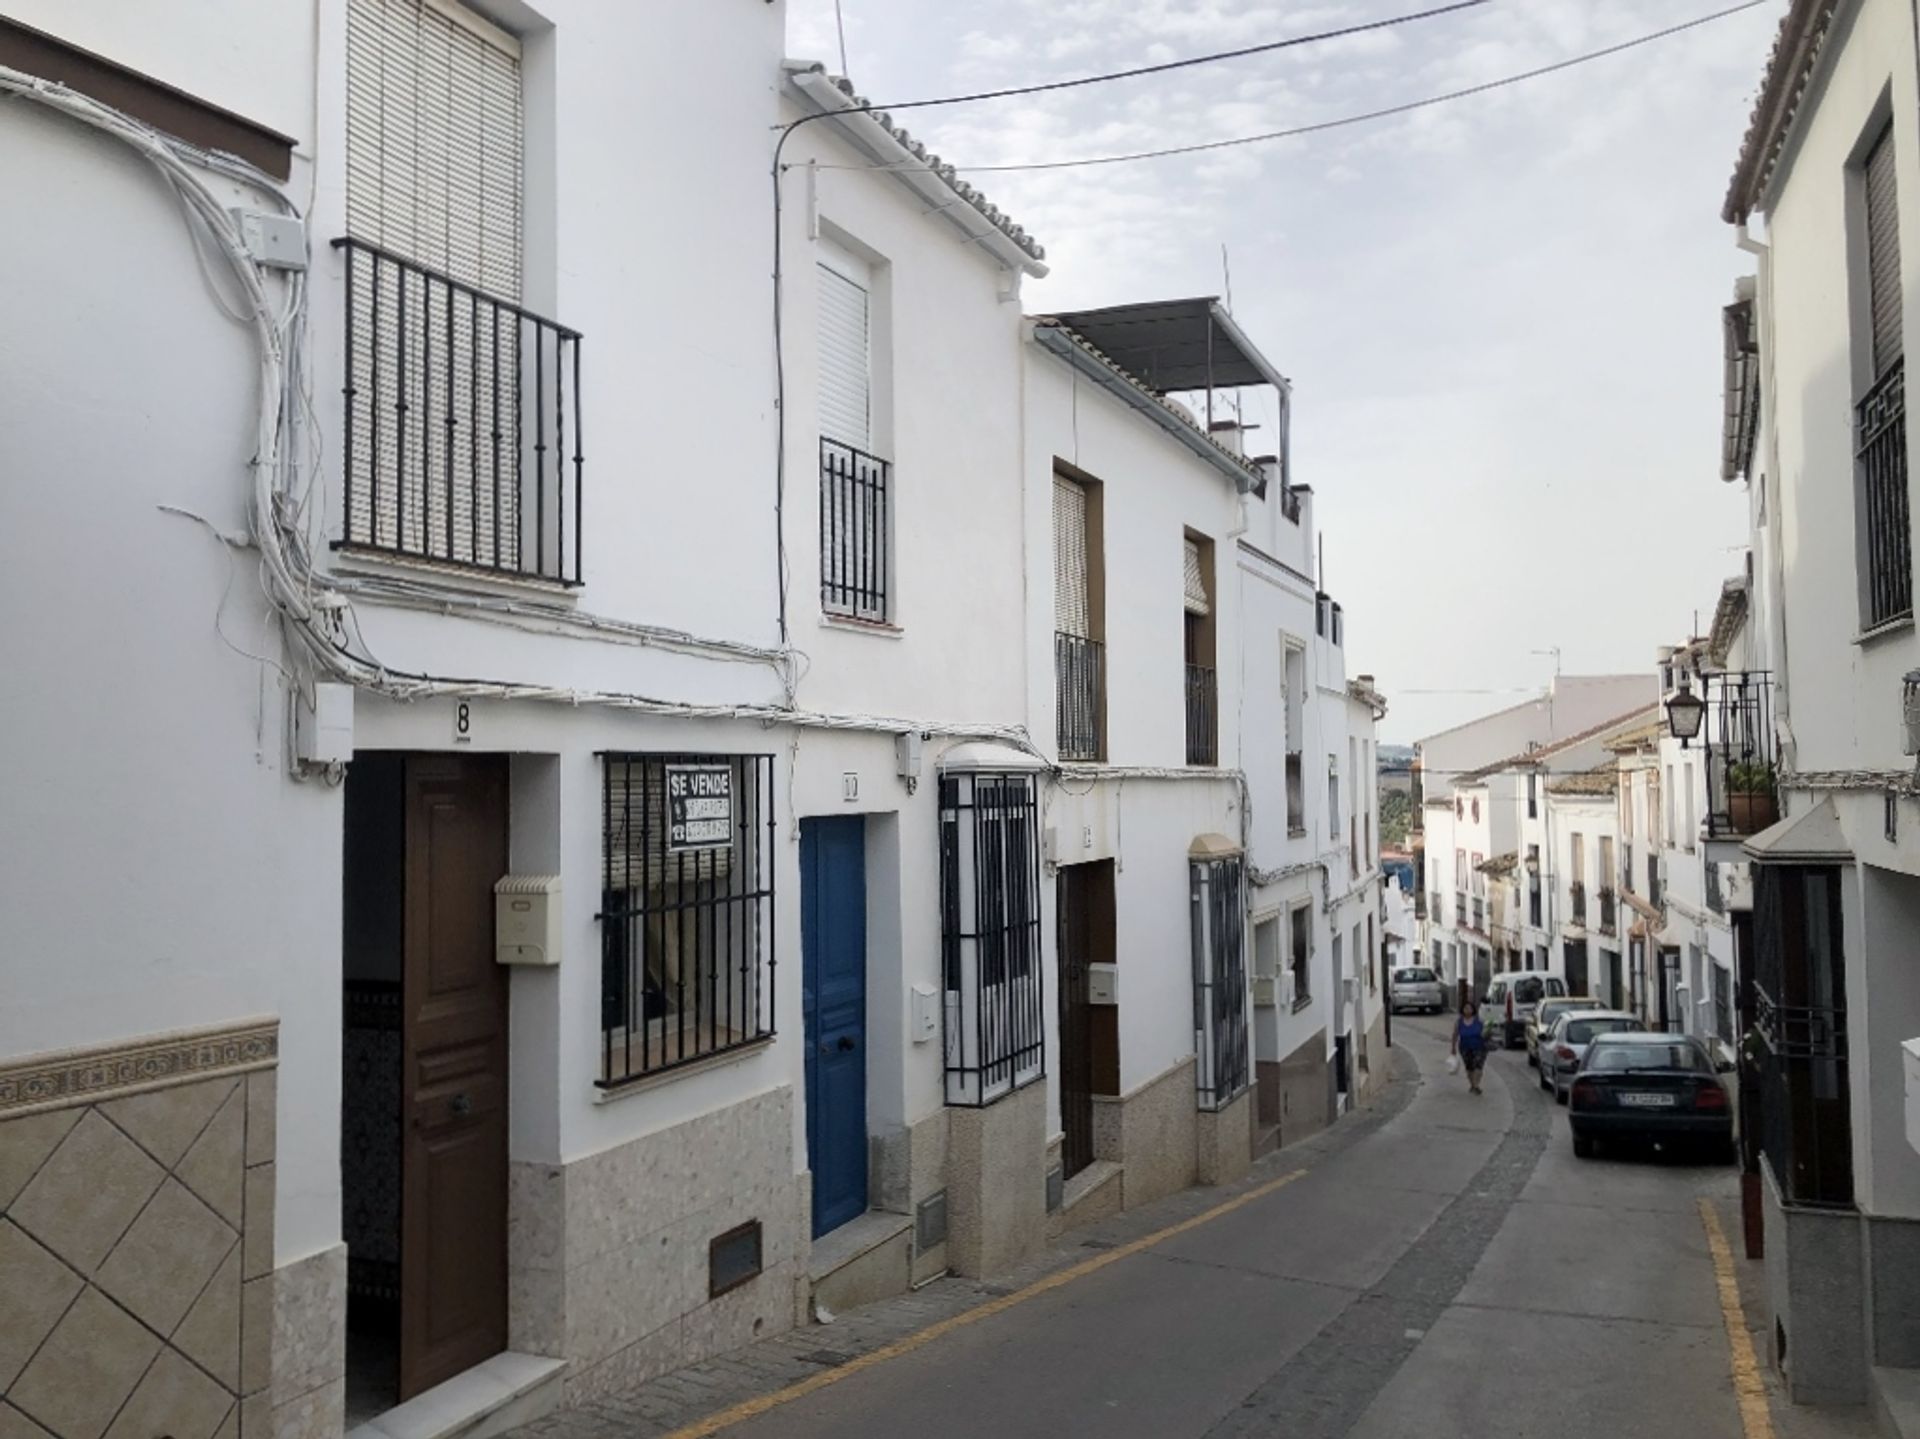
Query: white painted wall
x=132, y=718
x=1571, y=704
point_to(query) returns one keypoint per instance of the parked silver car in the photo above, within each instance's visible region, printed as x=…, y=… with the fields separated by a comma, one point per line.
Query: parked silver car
x=1563, y=1047
x=1416, y=987
x=1510, y=1001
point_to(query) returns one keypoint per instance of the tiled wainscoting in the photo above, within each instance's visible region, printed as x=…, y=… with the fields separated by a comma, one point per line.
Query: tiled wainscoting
x=136, y=1238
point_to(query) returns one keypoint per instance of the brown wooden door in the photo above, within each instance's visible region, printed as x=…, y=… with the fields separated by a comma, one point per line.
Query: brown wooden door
x=453, y=1208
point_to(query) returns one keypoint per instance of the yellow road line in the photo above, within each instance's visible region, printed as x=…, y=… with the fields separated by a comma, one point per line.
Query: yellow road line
x=1748, y=1387
x=752, y=1408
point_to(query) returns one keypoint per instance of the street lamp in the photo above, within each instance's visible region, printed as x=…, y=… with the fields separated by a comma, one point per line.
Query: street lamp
x=1685, y=711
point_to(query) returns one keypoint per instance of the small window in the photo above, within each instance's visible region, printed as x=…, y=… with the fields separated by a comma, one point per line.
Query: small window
x=1579, y=1031
x=1300, y=953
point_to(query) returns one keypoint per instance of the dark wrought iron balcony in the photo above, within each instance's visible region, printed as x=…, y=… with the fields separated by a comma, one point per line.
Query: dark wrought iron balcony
x=1203, y=705
x=1578, y=892
x=1080, y=690
x=853, y=532
x=1297, y=799
x=1741, y=759
x=461, y=440
x=1880, y=448
x=1608, y=916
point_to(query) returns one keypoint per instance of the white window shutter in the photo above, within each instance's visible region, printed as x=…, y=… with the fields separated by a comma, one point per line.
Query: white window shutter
x=1070, y=607
x=846, y=380
x=1196, y=585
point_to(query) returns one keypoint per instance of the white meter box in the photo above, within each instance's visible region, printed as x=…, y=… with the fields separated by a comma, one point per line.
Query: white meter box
x=526, y=919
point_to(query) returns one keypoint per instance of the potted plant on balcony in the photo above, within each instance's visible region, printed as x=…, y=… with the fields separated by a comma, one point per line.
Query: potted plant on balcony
x=1751, y=805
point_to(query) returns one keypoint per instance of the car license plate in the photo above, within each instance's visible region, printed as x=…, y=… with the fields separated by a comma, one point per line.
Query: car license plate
x=1648, y=1101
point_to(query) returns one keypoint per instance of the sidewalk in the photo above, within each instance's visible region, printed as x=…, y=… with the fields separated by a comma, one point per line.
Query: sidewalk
x=675, y=1401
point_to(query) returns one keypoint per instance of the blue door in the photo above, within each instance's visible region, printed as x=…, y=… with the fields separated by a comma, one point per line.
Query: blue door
x=833, y=945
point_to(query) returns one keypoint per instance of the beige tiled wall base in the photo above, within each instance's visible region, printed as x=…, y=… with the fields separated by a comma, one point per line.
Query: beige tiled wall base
x=607, y=1256
x=1223, y=1150
x=130, y=1202
x=1151, y=1134
x=997, y=1182
x=1297, y=1088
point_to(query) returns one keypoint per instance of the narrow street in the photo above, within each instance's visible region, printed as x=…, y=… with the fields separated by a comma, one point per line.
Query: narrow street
x=1443, y=1266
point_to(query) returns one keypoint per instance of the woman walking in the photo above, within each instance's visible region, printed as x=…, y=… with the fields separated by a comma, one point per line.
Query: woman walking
x=1470, y=1043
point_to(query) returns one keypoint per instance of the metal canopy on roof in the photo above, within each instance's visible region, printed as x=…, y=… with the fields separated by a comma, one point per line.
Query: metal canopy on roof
x=1170, y=345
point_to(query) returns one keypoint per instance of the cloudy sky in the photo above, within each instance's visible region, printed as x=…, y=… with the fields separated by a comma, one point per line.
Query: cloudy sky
x=1501, y=315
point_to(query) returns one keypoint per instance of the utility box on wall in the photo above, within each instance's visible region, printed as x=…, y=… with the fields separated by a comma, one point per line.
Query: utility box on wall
x=1103, y=984
x=526, y=919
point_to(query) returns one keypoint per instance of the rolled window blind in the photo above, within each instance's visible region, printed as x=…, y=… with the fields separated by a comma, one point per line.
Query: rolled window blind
x=1196, y=585
x=1883, y=253
x=845, y=373
x=1070, y=609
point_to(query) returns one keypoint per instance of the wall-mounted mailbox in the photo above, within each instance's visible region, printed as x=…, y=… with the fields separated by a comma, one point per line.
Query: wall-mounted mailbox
x=926, y=1014
x=526, y=919
x=1103, y=984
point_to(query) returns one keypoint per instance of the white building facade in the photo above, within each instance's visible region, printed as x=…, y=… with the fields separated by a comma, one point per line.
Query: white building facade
x=582, y=808
x=1817, y=429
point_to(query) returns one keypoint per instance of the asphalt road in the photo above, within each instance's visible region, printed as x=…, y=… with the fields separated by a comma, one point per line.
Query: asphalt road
x=1454, y=1272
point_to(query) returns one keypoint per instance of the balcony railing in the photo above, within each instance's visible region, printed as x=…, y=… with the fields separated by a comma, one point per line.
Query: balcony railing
x=1653, y=880
x=1578, y=892
x=1608, y=916
x=461, y=438
x=1080, y=687
x=1297, y=795
x=1738, y=731
x=1202, y=711
x=1880, y=447
x=853, y=532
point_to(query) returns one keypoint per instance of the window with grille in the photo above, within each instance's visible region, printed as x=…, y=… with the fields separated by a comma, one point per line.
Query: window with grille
x=686, y=913
x=855, y=493
x=461, y=441
x=994, y=1031
x=1300, y=953
x=1079, y=677
x=1880, y=425
x=1219, y=980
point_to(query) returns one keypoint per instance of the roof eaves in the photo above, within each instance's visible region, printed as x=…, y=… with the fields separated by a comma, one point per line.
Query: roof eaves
x=1051, y=335
x=876, y=132
x=1796, y=50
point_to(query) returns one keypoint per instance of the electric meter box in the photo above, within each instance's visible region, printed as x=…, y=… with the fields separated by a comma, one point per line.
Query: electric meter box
x=526, y=919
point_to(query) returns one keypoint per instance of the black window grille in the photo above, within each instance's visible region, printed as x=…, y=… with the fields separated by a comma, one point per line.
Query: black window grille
x=1578, y=893
x=1881, y=449
x=461, y=436
x=1608, y=912
x=1800, y=1025
x=687, y=933
x=1079, y=666
x=1737, y=729
x=1300, y=954
x=1296, y=793
x=1219, y=980
x=994, y=1031
x=854, y=517
x=1202, y=711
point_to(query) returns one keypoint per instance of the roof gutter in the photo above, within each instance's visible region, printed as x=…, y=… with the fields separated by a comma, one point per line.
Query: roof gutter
x=868, y=135
x=1058, y=342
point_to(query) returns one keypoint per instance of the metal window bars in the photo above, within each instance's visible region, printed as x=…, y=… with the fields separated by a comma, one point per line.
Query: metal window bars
x=687, y=934
x=1880, y=449
x=461, y=442
x=1737, y=729
x=854, y=503
x=994, y=1034
x=1202, y=713
x=1219, y=980
x=1080, y=680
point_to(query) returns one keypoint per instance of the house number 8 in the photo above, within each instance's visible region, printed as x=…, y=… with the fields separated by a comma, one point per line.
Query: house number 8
x=462, y=723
